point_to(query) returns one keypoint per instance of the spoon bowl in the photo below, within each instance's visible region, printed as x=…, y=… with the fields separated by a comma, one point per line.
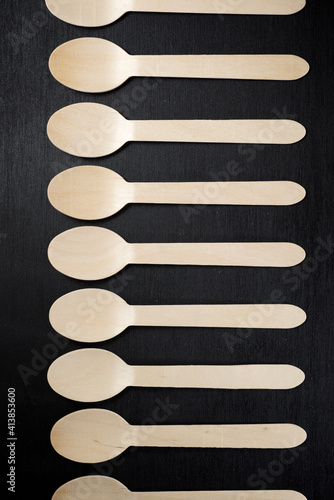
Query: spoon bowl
x=89, y=192
x=81, y=436
x=88, y=129
x=80, y=60
x=90, y=315
x=89, y=252
x=88, y=375
x=93, y=488
x=88, y=13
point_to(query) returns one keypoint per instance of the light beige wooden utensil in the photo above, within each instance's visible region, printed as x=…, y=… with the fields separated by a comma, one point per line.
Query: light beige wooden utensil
x=97, y=65
x=95, y=315
x=107, y=488
x=94, y=13
x=91, y=192
x=92, y=130
x=93, y=253
x=95, y=435
x=92, y=375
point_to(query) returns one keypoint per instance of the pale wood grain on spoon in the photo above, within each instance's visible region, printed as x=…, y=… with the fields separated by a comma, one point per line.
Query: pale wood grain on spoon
x=90, y=192
x=93, y=253
x=93, y=130
x=93, y=375
x=95, y=435
x=107, y=488
x=95, y=13
x=95, y=315
x=98, y=65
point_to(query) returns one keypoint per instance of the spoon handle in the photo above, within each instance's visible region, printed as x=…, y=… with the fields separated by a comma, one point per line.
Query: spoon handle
x=221, y=495
x=220, y=377
x=247, y=67
x=218, y=254
x=218, y=131
x=219, y=193
x=221, y=316
x=270, y=7
x=221, y=436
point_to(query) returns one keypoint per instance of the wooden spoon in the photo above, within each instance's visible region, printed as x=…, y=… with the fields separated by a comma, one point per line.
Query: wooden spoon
x=94, y=13
x=92, y=130
x=107, y=488
x=98, y=65
x=90, y=192
x=92, y=375
x=93, y=253
x=95, y=315
x=96, y=435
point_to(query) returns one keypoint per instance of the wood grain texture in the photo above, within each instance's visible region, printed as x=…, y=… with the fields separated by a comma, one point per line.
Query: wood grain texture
x=103, y=488
x=95, y=435
x=97, y=65
x=93, y=130
x=92, y=375
x=93, y=13
x=92, y=192
x=94, y=315
x=93, y=253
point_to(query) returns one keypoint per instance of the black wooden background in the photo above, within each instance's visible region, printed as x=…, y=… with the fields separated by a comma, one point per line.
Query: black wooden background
x=29, y=95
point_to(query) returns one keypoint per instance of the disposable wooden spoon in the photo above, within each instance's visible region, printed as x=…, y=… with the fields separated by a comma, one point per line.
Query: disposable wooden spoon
x=98, y=65
x=92, y=130
x=95, y=315
x=93, y=253
x=94, y=13
x=95, y=435
x=92, y=375
x=107, y=488
x=90, y=192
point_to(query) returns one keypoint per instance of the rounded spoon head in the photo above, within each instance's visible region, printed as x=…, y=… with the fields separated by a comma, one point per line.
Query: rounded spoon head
x=88, y=129
x=90, y=65
x=90, y=315
x=89, y=375
x=88, y=13
x=92, y=488
x=89, y=192
x=89, y=253
x=91, y=436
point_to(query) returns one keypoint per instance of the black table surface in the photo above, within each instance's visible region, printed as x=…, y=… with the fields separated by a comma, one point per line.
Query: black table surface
x=29, y=285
